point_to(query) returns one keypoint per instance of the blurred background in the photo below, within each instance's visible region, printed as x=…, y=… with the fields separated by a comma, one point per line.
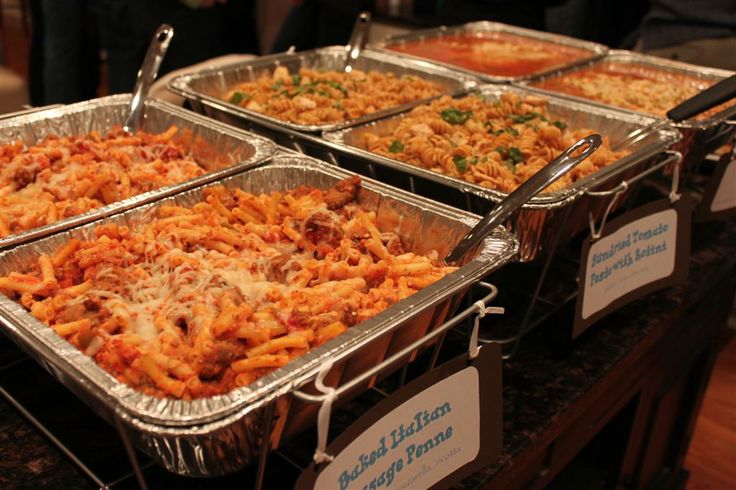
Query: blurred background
x=63, y=51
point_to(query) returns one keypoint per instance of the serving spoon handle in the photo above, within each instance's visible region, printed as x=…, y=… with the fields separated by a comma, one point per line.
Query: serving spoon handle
x=555, y=169
x=147, y=74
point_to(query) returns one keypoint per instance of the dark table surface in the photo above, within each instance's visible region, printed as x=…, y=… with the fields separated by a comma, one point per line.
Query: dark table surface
x=542, y=384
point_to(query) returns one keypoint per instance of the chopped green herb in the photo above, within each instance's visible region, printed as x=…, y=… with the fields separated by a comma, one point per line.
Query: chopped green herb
x=559, y=124
x=323, y=93
x=338, y=87
x=515, y=155
x=512, y=131
x=484, y=159
x=238, y=97
x=461, y=163
x=277, y=85
x=453, y=115
x=296, y=79
x=474, y=160
x=337, y=105
x=511, y=165
x=522, y=118
x=500, y=150
x=396, y=146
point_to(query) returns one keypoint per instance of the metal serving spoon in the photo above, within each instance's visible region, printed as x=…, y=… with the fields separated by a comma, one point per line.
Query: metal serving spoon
x=358, y=38
x=555, y=169
x=147, y=74
x=700, y=102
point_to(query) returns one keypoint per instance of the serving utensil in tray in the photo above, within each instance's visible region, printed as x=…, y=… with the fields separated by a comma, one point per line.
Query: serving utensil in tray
x=147, y=74
x=218, y=435
x=562, y=164
x=205, y=90
x=210, y=142
x=588, y=50
x=699, y=136
x=358, y=39
x=538, y=222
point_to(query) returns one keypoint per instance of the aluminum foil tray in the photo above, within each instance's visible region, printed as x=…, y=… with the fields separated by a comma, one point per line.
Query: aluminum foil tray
x=533, y=225
x=699, y=137
x=218, y=435
x=595, y=50
x=239, y=148
x=210, y=86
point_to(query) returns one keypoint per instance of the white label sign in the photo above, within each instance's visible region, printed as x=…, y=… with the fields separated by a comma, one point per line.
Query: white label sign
x=638, y=253
x=416, y=444
x=725, y=197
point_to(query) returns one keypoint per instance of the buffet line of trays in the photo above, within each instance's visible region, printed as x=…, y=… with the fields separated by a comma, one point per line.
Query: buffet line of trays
x=204, y=435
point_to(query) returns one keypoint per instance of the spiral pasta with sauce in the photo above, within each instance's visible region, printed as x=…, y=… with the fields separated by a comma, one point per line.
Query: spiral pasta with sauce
x=496, y=144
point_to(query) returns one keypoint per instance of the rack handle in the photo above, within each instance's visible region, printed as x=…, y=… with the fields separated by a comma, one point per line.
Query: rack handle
x=373, y=371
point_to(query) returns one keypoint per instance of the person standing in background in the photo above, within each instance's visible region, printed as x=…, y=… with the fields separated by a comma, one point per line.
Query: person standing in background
x=76, y=30
x=71, y=59
x=316, y=23
x=702, y=32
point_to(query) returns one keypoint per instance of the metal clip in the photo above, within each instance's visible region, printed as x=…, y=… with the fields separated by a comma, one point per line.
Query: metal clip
x=323, y=417
x=673, y=156
x=483, y=310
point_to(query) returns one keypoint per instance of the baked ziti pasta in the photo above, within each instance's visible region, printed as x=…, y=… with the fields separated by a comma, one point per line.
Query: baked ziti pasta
x=62, y=177
x=322, y=97
x=200, y=300
x=632, y=86
x=496, y=144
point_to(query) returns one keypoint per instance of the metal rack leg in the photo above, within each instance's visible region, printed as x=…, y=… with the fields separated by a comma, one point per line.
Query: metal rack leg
x=524, y=328
x=56, y=442
x=265, y=447
x=130, y=451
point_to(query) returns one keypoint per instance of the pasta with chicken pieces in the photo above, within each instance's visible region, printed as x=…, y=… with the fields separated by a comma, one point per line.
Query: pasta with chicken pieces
x=315, y=97
x=496, y=144
x=203, y=299
x=62, y=177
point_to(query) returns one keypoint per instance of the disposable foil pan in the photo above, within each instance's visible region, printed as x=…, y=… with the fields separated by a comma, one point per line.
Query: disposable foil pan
x=218, y=435
x=699, y=136
x=210, y=140
x=535, y=223
x=594, y=50
x=209, y=87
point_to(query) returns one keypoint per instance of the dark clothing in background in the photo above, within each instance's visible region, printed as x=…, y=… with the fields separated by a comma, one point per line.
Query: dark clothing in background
x=35, y=54
x=71, y=64
x=613, y=23
x=199, y=34
x=672, y=22
x=75, y=30
x=315, y=23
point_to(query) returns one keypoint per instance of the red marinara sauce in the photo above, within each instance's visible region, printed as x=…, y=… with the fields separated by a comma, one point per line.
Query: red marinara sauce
x=493, y=53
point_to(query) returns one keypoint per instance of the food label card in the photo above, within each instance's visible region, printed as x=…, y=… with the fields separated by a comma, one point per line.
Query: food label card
x=642, y=251
x=719, y=199
x=434, y=431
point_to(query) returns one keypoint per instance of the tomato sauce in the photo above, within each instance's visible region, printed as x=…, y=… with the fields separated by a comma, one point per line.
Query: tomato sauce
x=493, y=53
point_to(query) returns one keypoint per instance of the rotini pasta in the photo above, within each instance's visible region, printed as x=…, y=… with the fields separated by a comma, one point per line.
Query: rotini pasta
x=66, y=176
x=203, y=299
x=496, y=144
x=321, y=97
